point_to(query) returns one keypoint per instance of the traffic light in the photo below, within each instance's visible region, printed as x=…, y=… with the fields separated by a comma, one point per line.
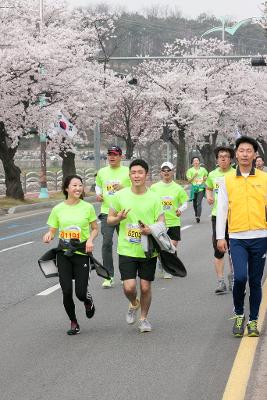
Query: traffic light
x=258, y=62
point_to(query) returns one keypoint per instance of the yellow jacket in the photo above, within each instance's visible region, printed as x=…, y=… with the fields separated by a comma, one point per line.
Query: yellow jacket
x=247, y=201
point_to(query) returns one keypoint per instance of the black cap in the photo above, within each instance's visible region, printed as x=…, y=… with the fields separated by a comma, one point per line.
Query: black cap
x=115, y=150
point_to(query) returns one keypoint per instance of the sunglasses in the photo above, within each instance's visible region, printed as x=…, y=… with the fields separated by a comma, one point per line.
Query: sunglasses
x=166, y=170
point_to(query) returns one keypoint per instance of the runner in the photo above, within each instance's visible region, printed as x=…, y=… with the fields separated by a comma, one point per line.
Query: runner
x=74, y=219
x=196, y=175
x=174, y=202
x=242, y=197
x=135, y=208
x=259, y=162
x=109, y=180
x=224, y=157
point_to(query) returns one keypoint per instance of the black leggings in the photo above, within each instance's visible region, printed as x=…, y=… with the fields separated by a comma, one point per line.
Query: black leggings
x=75, y=267
x=197, y=203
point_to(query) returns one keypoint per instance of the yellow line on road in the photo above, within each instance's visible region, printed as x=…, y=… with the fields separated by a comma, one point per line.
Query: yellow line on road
x=240, y=373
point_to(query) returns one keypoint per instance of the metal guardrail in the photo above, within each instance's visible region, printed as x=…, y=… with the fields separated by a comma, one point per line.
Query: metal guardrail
x=31, y=180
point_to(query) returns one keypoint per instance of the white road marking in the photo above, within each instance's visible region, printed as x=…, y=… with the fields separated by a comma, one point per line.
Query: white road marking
x=49, y=290
x=185, y=227
x=15, y=247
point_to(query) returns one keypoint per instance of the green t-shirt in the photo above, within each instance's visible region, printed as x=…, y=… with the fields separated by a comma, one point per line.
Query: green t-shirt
x=106, y=178
x=72, y=222
x=172, y=196
x=213, y=183
x=199, y=179
x=146, y=208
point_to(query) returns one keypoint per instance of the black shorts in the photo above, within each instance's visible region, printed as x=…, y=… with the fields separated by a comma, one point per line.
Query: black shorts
x=174, y=233
x=130, y=267
x=217, y=253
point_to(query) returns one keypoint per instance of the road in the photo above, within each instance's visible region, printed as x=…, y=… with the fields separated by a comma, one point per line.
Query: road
x=188, y=355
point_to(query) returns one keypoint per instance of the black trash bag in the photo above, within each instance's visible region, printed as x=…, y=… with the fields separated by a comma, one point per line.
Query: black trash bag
x=172, y=264
x=98, y=267
x=48, y=265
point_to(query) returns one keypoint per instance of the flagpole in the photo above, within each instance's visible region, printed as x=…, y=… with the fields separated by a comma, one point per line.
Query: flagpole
x=42, y=102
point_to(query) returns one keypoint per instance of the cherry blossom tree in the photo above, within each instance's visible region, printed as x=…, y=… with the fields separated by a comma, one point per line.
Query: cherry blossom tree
x=50, y=62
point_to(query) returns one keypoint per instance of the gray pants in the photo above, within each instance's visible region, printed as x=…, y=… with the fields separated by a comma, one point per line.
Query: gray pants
x=107, y=233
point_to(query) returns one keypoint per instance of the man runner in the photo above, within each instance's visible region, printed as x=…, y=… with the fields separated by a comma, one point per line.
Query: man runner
x=109, y=180
x=259, y=163
x=242, y=197
x=196, y=175
x=224, y=156
x=134, y=209
x=174, y=202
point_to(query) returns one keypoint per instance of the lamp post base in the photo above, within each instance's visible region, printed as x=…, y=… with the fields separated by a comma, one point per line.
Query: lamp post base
x=43, y=193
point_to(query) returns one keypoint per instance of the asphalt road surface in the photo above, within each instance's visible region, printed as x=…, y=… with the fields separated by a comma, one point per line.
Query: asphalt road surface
x=188, y=355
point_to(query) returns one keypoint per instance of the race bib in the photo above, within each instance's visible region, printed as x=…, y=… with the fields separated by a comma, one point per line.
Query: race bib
x=198, y=180
x=110, y=189
x=133, y=233
x=167, y=202
x=70, y=232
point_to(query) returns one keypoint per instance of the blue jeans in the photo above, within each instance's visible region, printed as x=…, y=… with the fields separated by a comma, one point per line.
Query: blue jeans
x=107, y=233
x=248, y=257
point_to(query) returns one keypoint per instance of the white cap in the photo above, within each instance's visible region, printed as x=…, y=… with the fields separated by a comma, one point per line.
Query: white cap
x=168, y=165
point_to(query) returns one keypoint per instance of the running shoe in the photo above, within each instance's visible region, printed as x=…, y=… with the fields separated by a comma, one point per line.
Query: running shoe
x=239, y=325
x=132, y=312
x=89, y=308
x=198, y=219
x=74, y=328
x=144, y=326
x=230, y=281
x=167, y=276
x=253, y=329
x=108, y=283
x=221, y=288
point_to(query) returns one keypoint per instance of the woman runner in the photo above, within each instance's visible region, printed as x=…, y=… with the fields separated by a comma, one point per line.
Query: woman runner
x=75, y=220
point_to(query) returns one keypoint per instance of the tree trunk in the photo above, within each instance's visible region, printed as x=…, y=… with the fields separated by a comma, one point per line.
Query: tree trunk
x=68, y=164
x=264, y=147
x=207, y=151
x=129, y=148
x=12, y=172
x=181, y=153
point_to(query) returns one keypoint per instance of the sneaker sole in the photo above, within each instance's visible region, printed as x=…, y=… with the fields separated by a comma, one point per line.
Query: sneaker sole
x=73, y=334
x=219, y=293
x=253, y=335
x=131, y=323
x=238, y=335
x=145, y=330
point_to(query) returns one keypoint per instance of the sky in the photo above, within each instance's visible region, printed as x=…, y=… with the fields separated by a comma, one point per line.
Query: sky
x=234, y=9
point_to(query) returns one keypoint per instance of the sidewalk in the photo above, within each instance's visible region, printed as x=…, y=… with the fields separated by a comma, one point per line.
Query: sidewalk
x=37, y=206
